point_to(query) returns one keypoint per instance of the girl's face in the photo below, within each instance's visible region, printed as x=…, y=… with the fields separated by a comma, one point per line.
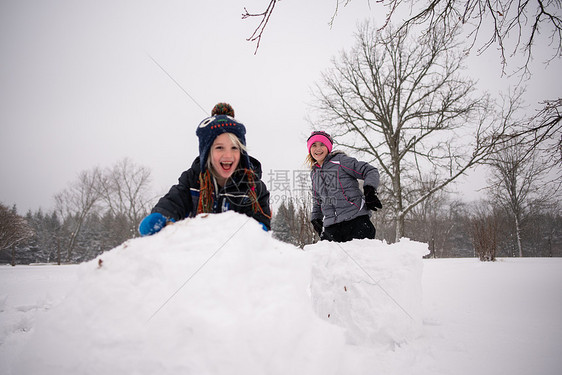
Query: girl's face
x=225, y=156
x=319, y=151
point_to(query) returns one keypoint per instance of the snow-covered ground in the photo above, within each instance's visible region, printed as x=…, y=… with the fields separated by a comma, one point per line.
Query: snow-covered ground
x=218, y=295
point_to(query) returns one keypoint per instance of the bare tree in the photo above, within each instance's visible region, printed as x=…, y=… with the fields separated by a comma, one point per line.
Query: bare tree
x=75, y=203
x=305, y=232
x=118, y=194
x=291, y=222
x=14, y=230
x=525, y=173
x=485, y=233
x=428, y=221
x=514, y=27
x=519, y=181
x=125, y=190
x=405, y=105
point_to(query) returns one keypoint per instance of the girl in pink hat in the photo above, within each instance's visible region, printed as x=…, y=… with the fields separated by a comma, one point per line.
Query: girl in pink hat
x=340, y=210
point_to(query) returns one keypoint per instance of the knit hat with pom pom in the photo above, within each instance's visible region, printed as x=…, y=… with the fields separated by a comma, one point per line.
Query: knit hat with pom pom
x=223, y=109
x=211, y=127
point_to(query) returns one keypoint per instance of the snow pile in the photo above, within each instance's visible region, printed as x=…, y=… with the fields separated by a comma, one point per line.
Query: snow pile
x=371, y=289
x=218, y=295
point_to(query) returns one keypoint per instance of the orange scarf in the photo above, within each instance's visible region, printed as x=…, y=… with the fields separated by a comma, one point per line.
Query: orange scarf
x=206, y=193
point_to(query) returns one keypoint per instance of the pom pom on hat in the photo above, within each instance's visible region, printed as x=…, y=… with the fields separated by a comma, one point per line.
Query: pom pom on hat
x=320, y=136
x=211, y=127
x=222, y=109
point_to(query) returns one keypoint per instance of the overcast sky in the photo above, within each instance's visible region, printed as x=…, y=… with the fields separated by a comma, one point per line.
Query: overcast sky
x=79, y=87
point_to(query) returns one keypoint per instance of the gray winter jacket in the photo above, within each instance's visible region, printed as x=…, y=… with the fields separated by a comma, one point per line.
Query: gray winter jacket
x=335, y=189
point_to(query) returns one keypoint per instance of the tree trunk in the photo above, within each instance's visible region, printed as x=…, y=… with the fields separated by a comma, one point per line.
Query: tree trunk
x=58, y=250
x=518, y=235
x=399, y=228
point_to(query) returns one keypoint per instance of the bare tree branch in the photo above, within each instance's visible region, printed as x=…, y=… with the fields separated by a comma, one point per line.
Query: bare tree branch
x=546, y=125
x=520, y=22
x=265, y=15
x=338, y=2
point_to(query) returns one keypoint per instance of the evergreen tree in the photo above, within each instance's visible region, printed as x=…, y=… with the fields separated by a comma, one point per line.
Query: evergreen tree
x=14, y=231
x=281, y=224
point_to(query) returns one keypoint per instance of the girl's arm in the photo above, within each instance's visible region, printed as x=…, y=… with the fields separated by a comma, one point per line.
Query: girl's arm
x=360, y=170
x=263, y=216
x=316, y=204
x=177, y=204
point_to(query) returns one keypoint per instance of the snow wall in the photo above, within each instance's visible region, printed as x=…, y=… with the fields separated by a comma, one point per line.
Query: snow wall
x=218, y=295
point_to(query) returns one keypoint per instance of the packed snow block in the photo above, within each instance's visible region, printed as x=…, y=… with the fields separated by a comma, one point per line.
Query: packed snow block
x=369, y=288
x=211, y=295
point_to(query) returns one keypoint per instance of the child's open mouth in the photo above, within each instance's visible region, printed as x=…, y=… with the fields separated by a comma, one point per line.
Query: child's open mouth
x=226, y=165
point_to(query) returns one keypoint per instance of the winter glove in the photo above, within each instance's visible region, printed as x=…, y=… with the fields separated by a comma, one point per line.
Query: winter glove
x=371, y=199
x=151, y=224
x=318, y=225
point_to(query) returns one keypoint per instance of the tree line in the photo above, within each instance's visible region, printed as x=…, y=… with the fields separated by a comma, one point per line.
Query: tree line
x=73, y=233
x=96, y=212
x=451, y=228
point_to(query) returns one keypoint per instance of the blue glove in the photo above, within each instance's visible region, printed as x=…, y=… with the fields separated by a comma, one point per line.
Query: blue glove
x=151, y=224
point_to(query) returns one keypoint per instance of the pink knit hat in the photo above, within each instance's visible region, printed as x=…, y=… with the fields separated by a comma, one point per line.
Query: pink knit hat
x=320, y=136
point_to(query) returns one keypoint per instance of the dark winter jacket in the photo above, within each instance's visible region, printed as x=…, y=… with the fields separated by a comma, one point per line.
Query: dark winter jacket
x=182, y=199
x=335, y=188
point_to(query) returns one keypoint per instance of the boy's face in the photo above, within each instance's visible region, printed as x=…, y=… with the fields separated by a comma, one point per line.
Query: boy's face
x=319, y=151
x=225, y=156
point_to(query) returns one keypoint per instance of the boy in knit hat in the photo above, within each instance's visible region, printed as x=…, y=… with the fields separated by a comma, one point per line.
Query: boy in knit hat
x=223, y=177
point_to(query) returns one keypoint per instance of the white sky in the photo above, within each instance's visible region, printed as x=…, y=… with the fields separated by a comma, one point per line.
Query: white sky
x=78, y=88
